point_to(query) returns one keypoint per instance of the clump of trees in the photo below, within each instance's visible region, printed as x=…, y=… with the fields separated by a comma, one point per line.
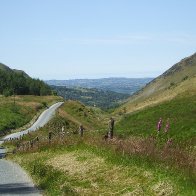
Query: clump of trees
x=19, y=84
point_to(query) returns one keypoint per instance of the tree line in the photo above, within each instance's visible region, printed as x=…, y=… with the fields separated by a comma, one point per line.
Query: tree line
x=17, y=83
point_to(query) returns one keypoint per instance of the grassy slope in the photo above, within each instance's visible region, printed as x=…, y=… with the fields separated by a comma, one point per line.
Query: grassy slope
x=185, y=87
x=179, y=78
x=181, y=111
x=91, y=118
x=13, y=116
x=70, y=115
x=81, y=167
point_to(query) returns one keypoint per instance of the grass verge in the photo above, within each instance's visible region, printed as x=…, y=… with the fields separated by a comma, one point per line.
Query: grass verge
x=81, y=167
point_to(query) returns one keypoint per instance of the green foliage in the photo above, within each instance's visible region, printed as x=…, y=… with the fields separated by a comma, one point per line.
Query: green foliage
x=44, y=104
x=180, y=111
x=19, y=110
x=92, y=97
x=7, y=92
x=117, y=173
x=79, y=113
x=19, y=84
x=12, y=116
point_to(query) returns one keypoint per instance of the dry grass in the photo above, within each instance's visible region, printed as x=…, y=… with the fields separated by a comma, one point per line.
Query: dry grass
x=104, y=178
x=86, y=170
x=186, y=87
x=81, y=114
x=65, y=115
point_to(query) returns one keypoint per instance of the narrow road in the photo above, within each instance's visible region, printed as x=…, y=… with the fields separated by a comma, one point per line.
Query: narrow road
x=41, y=121
x=13, y=179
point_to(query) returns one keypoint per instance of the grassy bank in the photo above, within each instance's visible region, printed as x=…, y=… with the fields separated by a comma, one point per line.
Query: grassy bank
x=181, y=112
x=18, y=111
x=91, y=118
x=91, y=167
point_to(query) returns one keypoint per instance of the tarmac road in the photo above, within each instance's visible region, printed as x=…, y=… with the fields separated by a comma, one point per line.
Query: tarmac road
x=14, y=181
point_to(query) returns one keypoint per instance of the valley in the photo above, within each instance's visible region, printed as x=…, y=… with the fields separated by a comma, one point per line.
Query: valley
x=139, y=160
x=92, y=97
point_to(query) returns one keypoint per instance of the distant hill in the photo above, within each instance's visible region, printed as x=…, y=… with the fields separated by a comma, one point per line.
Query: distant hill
x=180, y=78
x=119, y=85
x=13, y=81
x=21, y=72
x=4, y=67
x=92, y=97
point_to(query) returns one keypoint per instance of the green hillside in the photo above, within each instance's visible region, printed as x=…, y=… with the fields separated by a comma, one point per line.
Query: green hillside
x=91, y=118
x=176, y=80
x=179, y=72
x=19, y=83
x=17, y=111
x=181, y=112
x=73, y=113
x=4, y=68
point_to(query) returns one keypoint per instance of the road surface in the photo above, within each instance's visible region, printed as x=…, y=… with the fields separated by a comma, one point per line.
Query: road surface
x=13, y=180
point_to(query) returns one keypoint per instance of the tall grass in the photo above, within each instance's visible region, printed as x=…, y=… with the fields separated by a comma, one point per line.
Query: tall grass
x=165, y=161
x=181, y=112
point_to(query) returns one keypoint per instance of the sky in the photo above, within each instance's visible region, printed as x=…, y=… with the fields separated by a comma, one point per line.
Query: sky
x=68, y=39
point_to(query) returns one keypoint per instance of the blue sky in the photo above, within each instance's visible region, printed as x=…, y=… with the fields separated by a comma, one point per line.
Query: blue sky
x=64, y=39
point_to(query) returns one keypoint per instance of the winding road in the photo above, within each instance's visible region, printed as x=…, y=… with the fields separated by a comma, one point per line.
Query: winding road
x=13, y=179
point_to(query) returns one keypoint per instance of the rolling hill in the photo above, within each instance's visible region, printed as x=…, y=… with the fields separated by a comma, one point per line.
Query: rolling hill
x=119, y=85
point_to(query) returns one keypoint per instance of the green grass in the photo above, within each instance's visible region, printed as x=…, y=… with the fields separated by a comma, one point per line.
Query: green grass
x=80, y=114
x=15, y=114
x=181, y=112
x=80, y=168
x=91, y=166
